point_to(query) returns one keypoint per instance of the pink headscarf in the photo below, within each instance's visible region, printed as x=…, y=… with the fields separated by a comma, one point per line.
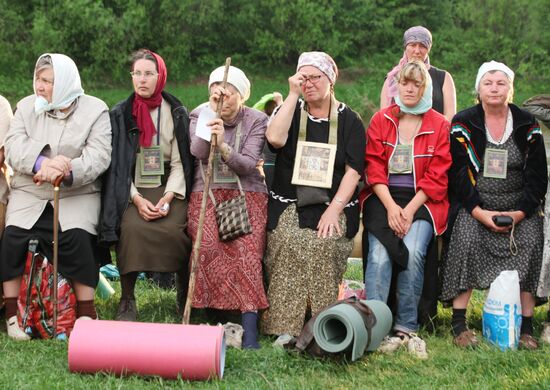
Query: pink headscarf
x=142, y=106
x=414, y=34
x=321, y=61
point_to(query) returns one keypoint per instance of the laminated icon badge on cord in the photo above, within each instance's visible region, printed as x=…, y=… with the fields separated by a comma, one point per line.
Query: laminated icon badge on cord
x=150, y=163
x=401, y=160
x=314, y=164
x=495, y=163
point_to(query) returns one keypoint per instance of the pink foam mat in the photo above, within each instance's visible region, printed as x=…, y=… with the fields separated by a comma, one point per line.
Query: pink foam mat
x=194, y=352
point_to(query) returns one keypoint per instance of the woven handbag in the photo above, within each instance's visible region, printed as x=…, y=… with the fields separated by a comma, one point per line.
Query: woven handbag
x=232, y=217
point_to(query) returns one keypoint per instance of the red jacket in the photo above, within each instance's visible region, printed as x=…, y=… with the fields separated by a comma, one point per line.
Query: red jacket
x=431, y=153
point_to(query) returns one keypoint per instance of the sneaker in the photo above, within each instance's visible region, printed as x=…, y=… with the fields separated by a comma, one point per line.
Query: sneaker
x=392, y=344
x=417, y=347
x=127, y=310
x=282, y=340
x=545, y=335
x=14, y=331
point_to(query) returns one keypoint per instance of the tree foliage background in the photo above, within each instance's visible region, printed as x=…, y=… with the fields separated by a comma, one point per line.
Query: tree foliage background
x=266, y=36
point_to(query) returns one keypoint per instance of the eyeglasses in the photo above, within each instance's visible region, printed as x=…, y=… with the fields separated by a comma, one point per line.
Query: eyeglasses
x=146, y=74
x=314, y=79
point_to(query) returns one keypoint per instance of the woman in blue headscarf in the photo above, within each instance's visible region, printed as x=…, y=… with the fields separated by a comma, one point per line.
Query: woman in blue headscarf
x=404, y=199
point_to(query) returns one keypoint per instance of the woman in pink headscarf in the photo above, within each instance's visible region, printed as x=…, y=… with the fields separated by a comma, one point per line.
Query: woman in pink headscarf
x=313, y=211
x=147, y=185
x=417, y=42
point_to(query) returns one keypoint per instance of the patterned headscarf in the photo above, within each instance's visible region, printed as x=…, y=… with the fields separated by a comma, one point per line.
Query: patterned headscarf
x=414, y=34
x=321, y=61
x=418, y=34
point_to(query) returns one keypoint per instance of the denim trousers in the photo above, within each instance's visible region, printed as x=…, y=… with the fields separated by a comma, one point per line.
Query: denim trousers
x=409, y=281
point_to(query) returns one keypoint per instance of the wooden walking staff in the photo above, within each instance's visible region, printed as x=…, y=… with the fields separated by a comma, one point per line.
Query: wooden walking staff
x=56, y=185
x=197, y=244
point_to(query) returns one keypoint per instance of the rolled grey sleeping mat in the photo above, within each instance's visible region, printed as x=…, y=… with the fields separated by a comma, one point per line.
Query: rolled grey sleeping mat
x=341, y=327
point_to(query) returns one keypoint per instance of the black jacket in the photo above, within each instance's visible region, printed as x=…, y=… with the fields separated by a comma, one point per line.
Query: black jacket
x=118, y=178
x=468, y=142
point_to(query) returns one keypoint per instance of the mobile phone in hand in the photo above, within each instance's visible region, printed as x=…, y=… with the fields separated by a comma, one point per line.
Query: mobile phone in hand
x=503, y=220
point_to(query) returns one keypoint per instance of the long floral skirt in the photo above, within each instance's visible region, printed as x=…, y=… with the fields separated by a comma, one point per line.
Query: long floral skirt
x=229, y=274
x=303, y=271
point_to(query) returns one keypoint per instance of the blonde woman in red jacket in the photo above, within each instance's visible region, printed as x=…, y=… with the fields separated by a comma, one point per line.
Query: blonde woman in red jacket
x=405, y=199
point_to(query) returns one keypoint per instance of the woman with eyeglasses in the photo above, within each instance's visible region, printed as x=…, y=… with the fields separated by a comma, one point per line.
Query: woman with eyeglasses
x=313, y=211
x=58, y=132
x=148, y=183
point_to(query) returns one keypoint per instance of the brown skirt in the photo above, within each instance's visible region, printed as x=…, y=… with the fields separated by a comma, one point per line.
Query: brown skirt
x=161, y=245
x=303, y=271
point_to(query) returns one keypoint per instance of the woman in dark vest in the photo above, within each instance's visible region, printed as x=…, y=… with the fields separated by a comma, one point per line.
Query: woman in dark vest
x=417, y=42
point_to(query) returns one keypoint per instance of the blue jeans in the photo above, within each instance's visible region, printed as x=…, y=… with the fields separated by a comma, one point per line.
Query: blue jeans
x=409, y=281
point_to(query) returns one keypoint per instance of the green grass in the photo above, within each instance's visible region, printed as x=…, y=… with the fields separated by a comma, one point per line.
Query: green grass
x=43, y=364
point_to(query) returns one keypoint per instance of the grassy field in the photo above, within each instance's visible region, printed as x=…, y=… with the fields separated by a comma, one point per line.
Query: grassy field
x=43, y=364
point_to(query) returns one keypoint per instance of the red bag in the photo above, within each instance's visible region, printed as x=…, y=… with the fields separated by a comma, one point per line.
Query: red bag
x=35, y=305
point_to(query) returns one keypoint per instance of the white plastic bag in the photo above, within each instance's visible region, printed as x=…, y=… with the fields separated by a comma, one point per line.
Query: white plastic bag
x=502, y=311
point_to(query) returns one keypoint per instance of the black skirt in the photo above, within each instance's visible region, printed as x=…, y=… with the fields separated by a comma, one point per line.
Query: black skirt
x=79, y=255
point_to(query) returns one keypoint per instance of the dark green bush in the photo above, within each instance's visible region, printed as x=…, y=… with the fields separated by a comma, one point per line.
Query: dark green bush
x=265, y=36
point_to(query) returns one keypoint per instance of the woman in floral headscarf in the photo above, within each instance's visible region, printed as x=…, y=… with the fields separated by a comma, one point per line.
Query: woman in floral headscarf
x=417, y=42
x=57, y=131
x=145, y=199
x=313, y=215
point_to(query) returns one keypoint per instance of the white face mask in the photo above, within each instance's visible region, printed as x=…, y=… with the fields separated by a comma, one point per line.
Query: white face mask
x=41, y=105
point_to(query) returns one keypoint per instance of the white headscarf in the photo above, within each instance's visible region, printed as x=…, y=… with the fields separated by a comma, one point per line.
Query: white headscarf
x=490, y=66
x=66, y=85
x=235, y=77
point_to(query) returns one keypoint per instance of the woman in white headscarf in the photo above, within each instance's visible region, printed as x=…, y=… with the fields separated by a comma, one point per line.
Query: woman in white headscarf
x=497, y=182
x=57, y=131
x=229, y=273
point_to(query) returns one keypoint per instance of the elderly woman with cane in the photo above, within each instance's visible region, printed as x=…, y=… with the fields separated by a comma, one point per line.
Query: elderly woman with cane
x=499, y=179
x=148, y=183
x=58, y=131
x=313, y=211
x=229, y=270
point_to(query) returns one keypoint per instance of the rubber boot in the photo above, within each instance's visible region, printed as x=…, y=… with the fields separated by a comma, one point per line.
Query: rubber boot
x=250, y=326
